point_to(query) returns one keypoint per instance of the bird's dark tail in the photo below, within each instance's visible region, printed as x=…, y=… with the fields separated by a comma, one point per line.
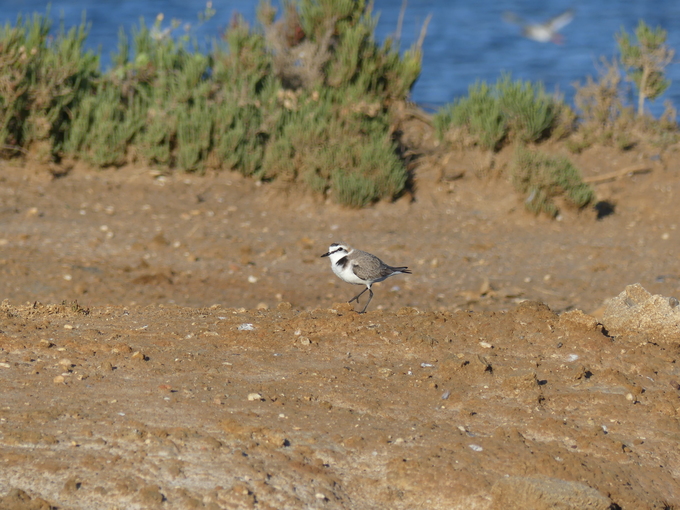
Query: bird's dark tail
x=403, y=269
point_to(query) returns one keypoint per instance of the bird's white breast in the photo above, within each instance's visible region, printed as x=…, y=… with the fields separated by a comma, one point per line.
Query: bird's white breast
x=346, y=273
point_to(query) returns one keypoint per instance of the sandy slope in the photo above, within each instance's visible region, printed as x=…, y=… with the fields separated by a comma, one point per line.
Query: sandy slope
x=450, y=393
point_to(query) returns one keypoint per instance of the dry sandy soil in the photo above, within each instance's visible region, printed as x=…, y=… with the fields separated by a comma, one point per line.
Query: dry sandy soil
x=176, y=342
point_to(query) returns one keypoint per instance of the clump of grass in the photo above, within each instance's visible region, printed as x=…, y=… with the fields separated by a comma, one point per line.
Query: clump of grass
x=541, y=178
x=479, y=113
x=606, y=118
x=505, y=112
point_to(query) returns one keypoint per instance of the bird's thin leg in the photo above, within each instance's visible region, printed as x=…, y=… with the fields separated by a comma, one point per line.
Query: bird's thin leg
x=356, y=298
x=370, y=296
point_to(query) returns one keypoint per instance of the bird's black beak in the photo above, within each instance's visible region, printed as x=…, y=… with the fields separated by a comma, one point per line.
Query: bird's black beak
x=325, y=254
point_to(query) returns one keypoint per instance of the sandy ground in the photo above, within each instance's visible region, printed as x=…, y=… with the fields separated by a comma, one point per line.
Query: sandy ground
x=176, y=342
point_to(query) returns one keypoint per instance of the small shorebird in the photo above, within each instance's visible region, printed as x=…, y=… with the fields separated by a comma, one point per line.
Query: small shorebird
x=360, y=268
x=542, y=32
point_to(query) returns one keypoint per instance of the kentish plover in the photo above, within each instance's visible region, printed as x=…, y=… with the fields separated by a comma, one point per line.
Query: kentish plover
x=360, y=268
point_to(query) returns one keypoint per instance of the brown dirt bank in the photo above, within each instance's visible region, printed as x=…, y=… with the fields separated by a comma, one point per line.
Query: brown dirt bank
x=173, y=407
x=449, y=393
x=133, y=236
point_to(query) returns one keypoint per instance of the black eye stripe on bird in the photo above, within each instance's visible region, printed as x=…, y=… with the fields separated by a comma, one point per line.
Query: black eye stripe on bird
x=360, y=268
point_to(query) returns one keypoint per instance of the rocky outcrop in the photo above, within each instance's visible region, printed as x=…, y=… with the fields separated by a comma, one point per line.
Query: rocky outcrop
x=636, y=311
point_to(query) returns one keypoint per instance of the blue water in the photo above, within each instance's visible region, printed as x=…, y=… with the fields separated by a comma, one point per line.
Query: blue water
x=466, y=40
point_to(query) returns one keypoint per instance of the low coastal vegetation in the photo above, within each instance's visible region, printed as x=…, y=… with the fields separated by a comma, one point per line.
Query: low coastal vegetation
x=507, y=112
x=541, y=177
x=522, y=113
x=306, y=97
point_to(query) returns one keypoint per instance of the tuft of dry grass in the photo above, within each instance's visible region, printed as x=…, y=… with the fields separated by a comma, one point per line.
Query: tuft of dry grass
x=606, y=119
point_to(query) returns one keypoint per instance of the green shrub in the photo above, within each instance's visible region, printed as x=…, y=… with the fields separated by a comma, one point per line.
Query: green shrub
x=480, y=113
x=102, y=127
x=330, y=125
x=331, y=43
x=541, y=178
x=237, y=141
x=42, y=80
x=529, y=111
x=335, y=148
x=247, y=114
x=194, y=131
x=646, y=61
x=507, y=111
x=172, y=82
x=307, y=98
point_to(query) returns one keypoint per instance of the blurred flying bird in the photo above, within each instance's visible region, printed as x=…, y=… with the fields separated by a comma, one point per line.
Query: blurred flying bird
x=542, y=32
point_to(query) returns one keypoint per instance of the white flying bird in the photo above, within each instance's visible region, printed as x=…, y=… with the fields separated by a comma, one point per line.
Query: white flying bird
x=542, y=32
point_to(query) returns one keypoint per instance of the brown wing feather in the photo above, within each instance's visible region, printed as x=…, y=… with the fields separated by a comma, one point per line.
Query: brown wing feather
x=370, y=266
x=373, y=264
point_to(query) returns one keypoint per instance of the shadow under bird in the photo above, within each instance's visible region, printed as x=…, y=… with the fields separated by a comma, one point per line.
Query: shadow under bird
x=360, y=268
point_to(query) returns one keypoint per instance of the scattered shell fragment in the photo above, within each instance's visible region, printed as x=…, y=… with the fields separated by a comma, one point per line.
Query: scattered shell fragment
x=476, y=447
x=254, y=396
x=246, y=326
